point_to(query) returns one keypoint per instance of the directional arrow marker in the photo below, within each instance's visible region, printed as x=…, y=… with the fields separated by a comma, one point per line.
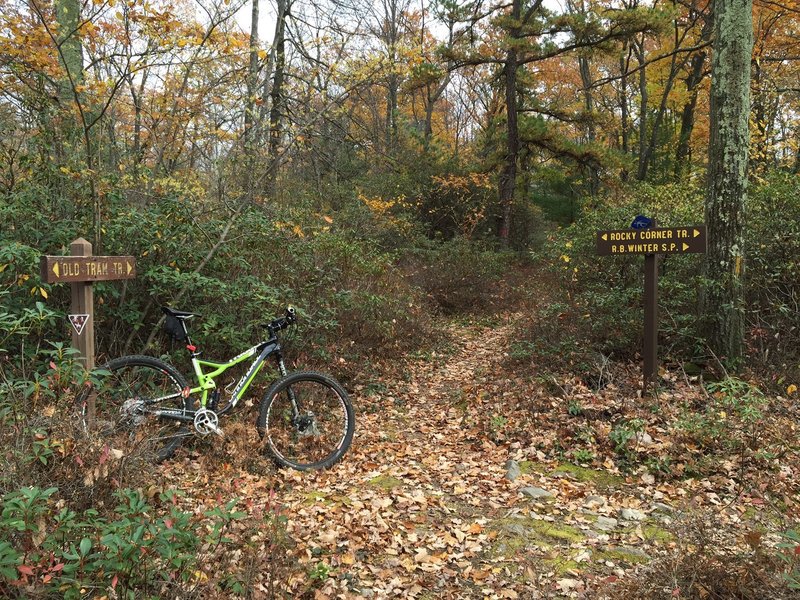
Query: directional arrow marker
x=55, y=269
x=605, y=237
x=685, y=246
x=696, y=233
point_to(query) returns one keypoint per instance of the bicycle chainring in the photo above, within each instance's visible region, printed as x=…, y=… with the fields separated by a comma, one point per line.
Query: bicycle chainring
x=206, y=421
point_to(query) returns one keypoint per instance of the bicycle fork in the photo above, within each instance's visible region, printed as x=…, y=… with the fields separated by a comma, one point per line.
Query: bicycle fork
x=304, y=423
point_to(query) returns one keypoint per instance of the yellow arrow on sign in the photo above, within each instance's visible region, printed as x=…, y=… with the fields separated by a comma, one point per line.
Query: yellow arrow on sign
x=696, y=233
x=604, y=237
x=685, y=246
x=55, y=269
x=130, y=268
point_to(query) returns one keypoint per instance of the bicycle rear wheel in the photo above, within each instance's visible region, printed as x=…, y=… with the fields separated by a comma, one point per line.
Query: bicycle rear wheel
x=306, y=420
x=124, y=404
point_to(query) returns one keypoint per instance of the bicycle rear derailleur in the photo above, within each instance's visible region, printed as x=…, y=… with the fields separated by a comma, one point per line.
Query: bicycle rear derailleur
x=206, y=421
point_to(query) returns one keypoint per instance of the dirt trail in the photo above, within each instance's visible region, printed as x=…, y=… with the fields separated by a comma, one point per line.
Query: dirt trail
x=463, y=481
x=422, y=506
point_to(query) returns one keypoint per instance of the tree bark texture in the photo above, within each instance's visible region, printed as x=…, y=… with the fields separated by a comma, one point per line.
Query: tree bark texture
x=723, y=300
x=508, y=175
x=250, y=112
x=277, y=104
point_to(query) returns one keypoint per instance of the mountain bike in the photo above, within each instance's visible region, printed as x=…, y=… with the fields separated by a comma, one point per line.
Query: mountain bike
x=144, y=404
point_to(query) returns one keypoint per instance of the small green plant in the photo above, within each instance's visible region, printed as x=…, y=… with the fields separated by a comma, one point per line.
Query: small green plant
x=63, y=378
x=586, y=434
x=521, y=351
x=320, y=572
x=790, y=555
x=574, y=408
x=740, y=397
x=623, y=432
x=497, y=426
x=659, y=464
x=375, y=388
x=729, y=420
x=498, y=422
x=42, y=447
x=582, y=456
x=134, y=550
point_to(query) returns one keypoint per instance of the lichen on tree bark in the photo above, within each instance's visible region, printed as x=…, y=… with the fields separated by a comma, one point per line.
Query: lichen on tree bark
x=723, y=301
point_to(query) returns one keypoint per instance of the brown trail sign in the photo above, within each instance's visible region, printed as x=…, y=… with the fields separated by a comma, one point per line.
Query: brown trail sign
x=80, y=270
x=67, y=269
x=655, y=240
x=651, y=241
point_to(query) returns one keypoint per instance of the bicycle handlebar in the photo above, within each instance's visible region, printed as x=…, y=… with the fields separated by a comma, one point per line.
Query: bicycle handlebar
x=283, y=322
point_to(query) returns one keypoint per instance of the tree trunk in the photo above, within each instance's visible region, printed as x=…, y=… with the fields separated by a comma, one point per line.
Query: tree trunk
x=623, y=106
x=649, y=152
x=796, y=168
x=277, y=100
x=591, y=132
x=250, y=106
x=68, y=17
x=391, y=35
x=687, y=115
x=644, y=97
x=723, y=300
x=693, y=80
x=508, y=175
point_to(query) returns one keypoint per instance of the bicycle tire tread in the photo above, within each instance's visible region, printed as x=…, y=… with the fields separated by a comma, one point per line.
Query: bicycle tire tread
x=317, y=377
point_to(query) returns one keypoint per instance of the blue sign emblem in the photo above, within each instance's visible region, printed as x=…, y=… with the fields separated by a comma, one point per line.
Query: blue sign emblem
x=642, y=222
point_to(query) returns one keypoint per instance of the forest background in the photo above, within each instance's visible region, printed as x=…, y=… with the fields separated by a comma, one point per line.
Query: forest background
x=381, y=165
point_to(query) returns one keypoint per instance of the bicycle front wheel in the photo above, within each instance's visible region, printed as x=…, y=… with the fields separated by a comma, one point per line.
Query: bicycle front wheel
x=306, y=420
x=126, y=401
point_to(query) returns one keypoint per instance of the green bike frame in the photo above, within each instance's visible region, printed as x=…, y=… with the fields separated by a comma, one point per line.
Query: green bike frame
x=206, y=381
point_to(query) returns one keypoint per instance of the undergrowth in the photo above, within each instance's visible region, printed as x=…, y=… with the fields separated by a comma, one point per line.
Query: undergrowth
x=78, y=518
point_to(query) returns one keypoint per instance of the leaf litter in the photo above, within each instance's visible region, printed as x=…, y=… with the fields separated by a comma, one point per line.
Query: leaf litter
x=422, y=507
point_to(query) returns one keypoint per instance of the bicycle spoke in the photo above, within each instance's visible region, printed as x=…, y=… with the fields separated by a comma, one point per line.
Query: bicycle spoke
x=125, y=402
x=308, y=422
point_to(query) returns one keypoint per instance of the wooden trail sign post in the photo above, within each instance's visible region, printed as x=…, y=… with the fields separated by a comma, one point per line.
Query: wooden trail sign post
x=651, y=241
x=80, y=270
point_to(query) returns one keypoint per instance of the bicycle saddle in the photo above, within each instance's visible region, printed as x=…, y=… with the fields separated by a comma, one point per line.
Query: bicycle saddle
x=178, y=314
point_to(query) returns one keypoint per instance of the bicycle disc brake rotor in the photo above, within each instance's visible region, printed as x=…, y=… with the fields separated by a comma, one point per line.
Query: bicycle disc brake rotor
x=206, y=421
x=307, y=425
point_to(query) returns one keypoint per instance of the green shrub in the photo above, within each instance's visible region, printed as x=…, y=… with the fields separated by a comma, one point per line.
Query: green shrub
x=790, y=555
x=730, y=418
x=587, y=305
x=773, y=274
x=135, y=551
x=600, y=304
x=344, y=283
x=459, y=275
